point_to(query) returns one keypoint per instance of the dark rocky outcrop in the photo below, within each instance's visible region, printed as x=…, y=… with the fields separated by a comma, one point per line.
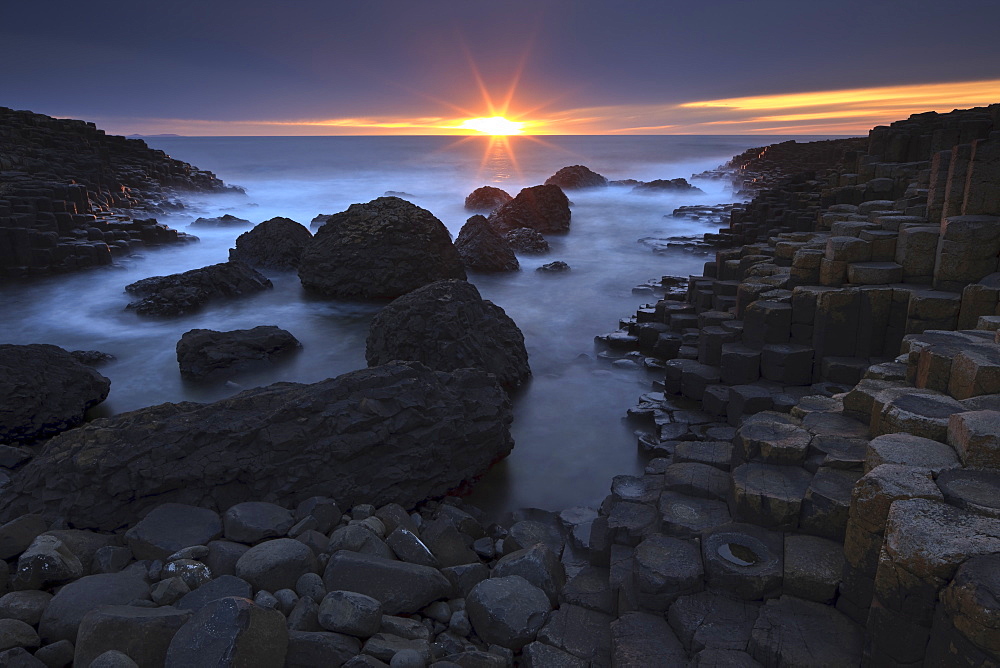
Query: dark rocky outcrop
x=204, y=354
x=71, y=196
x=379, y=250
x=178, y=294
x=226, y=220
x=544, y=209
x=45, y=391
x=554, y=267
x=274, y=244
x=526, y=240
x=667, y=185
x=394, y=433
x=483, y=248
x=447, y=325
x=576, y=177
x=486, y=198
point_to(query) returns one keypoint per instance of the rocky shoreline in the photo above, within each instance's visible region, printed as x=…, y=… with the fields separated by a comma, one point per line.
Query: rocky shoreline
x=73, y=197
x=822, y=485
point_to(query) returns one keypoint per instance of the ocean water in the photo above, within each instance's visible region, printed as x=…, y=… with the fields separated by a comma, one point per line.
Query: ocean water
x=570, y=434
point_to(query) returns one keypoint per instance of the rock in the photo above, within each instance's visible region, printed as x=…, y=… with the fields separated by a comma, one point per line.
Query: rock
x=910, y=450
x=178, y=294
x=91, y=357
x=223, y=555
x=686, y=516
x=710, y=620
x=17, y=534
x=143, y=634
x=316, y=648
x=540, y=655
x=55, y=655
x=586, y=634
x=170, y=527
x=769, y=495
x=399, y=586
x=169, y=591
x=973, y=434
x=274, y=244
x=357, y=538
x=15, y=633
x=576, y=177
x=230, y=631
x=538, y=565
x=381, y=250
x=544, y=209
x=644, y=639
x=527, y=240
x=113, y=659
x=408, y=547
x=26, y=606
x=282, y=443
x=447, y=326
x=350, y=613
x=275, y=564
x=793, y=632
x=665, y=568
x=965, y=628
x=743, y=559
x=225, y=220
x=47, y=561
x=508, y=611
x=813, y=567
x=484, y=249
x=205, y=354
x=221, y=587
x=46, y=391
x=68, y=607
x=667, y=185
x=253, y=521
x=486, y=198
x=554, y=267
x=977, y=490
x=385, y=647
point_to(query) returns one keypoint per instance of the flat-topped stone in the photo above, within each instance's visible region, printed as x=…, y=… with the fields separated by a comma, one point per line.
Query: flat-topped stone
x=769, y=495
x=909, y=450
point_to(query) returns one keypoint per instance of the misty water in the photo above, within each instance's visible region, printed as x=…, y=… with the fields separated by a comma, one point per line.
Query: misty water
x=569, y=429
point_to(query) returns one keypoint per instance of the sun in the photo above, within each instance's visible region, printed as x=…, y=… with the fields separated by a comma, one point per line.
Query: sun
x=494, y=125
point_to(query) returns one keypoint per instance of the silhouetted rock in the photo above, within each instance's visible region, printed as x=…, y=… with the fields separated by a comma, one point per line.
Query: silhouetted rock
x=178, y=294
x=45, y=390
x=226, y=220
x=204, y=353
x=542, y=208
x=274, y=244
x=526, y=240
x=381, y=249
x=447, y=326
x=486, y=198
x=394, y=433
x=554, y=267
x=667, y=185
x=576, y=177
x=483, y=248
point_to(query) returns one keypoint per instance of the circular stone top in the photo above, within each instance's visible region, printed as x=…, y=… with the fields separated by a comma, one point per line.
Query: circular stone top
x=977, y=490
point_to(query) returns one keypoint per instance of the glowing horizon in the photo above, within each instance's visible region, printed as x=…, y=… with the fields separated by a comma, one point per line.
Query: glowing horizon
x=841, y=111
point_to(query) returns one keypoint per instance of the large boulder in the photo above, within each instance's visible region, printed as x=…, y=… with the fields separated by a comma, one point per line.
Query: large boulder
x=542, y=208
x=576, y=177
x=527, y=240
x=395, y=433
x=204, y=354
x=447, y=326
x=667, y=186
x=45, y=391
x=382, y=249
x=486, y=198
x=178, y=294
x=226, y=220
x=483, y=248
x=274, y=244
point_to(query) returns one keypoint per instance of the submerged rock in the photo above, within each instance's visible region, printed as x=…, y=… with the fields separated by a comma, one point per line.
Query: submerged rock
x=203, y=354
x=554, y=267
x=447, y=325
x=227, y=220
x=576, y=177
x=527, y=240
x=274, y=244
x=542, y=208
x=484, y=249
x=486, y=198
x=394, y=433
x=381, y=249
x=667, y=185
x=178, y=294
x=46, y=390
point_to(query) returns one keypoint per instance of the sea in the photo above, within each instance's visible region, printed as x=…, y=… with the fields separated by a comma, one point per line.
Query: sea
x=570, y=428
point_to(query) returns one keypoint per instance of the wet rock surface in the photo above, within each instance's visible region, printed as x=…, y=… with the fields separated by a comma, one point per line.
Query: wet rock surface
x=544, y=209
x=204, y=354
x=379, y=250
x=277, y=243
x=187, y=292
x=483, y=248
x=576, y=177
x=447, y=325
x=46, y=391
x=486, y=198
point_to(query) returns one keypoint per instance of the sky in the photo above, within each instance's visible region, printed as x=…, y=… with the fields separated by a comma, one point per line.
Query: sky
x=319, y=67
